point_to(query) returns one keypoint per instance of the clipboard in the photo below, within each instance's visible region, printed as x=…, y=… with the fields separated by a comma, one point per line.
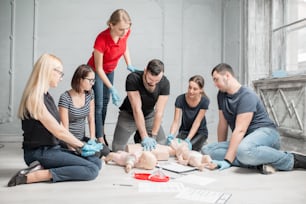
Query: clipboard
x=176, y=167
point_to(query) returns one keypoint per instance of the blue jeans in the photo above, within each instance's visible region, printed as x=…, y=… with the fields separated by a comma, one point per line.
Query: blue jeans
x=126, y=126
x=63, y=164
x=102, y=96
x=257, y=148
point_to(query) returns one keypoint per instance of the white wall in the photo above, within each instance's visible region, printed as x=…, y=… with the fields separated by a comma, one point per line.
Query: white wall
x=187, y=35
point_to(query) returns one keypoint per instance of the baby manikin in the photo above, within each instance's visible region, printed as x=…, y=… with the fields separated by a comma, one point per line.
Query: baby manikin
x=141, y=159
x=185, y=156
x=178, y=148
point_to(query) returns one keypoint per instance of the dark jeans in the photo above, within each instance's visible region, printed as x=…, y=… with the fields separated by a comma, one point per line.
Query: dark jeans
x=102, y=96
x=64, y=164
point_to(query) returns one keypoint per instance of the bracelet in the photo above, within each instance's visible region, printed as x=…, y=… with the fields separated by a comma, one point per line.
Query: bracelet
x=230, y=163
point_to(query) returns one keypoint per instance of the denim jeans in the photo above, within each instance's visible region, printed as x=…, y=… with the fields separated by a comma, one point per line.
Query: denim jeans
x=257, y=148
x=102, y=96
x=126, y=126
x=63, y=164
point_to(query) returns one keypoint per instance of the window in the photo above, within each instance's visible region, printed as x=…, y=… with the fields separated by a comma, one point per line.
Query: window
x=289, y=36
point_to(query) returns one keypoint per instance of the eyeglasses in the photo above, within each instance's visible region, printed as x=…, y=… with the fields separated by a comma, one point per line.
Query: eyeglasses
x=92, y=81
x=59, y=72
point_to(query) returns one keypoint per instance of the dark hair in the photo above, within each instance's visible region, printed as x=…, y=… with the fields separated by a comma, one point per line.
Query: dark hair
x=222, y=68
x=155, y=67
x=80, y=73
x=198, y=79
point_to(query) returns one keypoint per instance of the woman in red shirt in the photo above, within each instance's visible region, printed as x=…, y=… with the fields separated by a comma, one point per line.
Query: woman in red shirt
x=110, y=45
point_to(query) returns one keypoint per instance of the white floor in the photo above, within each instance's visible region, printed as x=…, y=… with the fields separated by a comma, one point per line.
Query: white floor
x=244, y=185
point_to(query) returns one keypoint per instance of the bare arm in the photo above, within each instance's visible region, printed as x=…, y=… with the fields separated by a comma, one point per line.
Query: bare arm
x=98, y=56
x=242, y=123
x=159, y=112
x=196, y=124
x=127, y=57
x=222, y=128
x=91, y=119
x=136, y=104
x=63, y=112
x=58, y=130
x=176, y=121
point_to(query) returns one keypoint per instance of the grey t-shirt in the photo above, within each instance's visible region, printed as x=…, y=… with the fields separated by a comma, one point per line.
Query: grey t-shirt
x=243, y=101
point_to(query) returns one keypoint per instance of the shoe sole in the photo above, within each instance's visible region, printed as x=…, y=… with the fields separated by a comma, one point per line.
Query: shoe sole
x=268, y=169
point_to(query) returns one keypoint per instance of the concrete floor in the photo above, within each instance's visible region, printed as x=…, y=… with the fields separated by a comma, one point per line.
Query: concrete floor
x=244, y=185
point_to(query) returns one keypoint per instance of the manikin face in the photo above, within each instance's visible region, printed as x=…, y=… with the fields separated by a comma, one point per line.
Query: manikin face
x=147, y=160
x=221, y=81
x=120, y=29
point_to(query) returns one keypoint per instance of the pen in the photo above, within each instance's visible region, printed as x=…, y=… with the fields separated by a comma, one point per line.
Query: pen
x=122, y=184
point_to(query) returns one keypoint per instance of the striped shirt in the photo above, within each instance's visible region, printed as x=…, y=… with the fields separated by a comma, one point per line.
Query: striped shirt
x=76, y=116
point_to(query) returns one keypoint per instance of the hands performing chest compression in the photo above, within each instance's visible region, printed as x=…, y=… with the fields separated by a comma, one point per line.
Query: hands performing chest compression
x=148, y=143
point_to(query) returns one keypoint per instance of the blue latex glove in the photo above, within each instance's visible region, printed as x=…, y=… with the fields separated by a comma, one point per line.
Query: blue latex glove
x=90, y=149
x=169, y=139
x=222, y=164
x=148, y=143
x=88, y=153
x=189, y=143
x=115, y=96
x=132, y=68
x=94, y=142
x=91, y=142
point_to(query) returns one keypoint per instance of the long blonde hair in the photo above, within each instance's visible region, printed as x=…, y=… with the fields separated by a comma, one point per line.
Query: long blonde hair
x=32, y=101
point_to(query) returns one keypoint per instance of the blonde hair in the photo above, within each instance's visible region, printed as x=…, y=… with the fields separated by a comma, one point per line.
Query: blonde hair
x=32, y=101
x=118, y=16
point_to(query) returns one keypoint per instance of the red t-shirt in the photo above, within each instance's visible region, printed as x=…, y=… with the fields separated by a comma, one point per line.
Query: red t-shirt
x=111, y=51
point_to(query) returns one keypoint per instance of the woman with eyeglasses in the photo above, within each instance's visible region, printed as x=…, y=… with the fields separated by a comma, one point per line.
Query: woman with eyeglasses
x=110, y=45
x=77, y=104
x=42, y=131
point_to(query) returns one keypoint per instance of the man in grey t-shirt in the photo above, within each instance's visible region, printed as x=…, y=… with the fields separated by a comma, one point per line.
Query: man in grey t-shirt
x=255, y=140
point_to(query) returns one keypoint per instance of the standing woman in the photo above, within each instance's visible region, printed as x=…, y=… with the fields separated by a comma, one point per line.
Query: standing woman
x=77, y=104
x=191, y=107
x=42, y=131
x=110, y=45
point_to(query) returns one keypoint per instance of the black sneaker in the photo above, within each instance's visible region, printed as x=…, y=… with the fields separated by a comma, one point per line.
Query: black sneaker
x=266, y=169
x=299, y=161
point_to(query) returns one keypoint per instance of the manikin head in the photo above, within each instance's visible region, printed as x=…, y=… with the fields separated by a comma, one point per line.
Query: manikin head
x=179, y=145
x=147, y=160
